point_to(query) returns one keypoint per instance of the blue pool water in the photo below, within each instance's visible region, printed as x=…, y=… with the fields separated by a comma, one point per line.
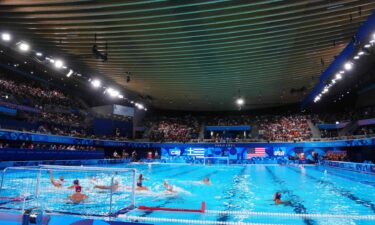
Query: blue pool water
x=241, y=190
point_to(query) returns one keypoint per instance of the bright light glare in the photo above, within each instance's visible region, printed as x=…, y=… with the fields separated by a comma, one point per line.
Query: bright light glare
x=59, y=63
x=356, y=57
x=140, y=106
x=361, y=53
x=317, y=98
x=6, y=37
x=240, y=101
x=69, y=73
x=39, y=54
x=367, y=46
x=96, y=83
x=112, y=92
x=120, y=96
x=348, y=66
x=338, y=76
x=24, y=47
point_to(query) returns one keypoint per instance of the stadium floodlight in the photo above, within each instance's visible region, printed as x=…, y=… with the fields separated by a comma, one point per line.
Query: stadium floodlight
x=317, y=98
x=361, y=53
x=23, y=46
x=367, y=46
x=140, y=106
x=348, y=66
x=6, y=37
x=240, y=101
x=112, y=92
x=333, y=81
x=69, y=73
x=96, y=83
x=338, y=76
x=356, y=57
x=145, y=109
x=325, y=90
x=58, y=63
x=39, y=54
x=120, y=96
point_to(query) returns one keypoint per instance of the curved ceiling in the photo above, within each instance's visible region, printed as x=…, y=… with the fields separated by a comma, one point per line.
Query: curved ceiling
x=196, y=55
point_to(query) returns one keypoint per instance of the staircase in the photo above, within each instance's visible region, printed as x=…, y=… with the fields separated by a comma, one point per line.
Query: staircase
x=202, y=130
x=254, y=132
x=146, y=134
x=314, y=130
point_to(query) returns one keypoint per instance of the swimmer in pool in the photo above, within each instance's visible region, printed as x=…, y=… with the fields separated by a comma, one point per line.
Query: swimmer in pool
x=56, y=183
x=75, y=184
x=277, y=199
x=167, y=186
x=140, y=182
x=78, y=197
x=206, y=181
x=115, y=186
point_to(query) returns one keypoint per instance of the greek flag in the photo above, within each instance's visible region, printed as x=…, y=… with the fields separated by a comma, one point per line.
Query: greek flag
x=197, y=152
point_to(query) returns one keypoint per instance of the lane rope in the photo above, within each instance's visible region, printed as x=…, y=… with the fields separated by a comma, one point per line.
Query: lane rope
x=187, y=221
x=360, y=217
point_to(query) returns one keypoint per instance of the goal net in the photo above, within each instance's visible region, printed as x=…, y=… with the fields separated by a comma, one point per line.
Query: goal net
x=215, y=161
x=74, y=190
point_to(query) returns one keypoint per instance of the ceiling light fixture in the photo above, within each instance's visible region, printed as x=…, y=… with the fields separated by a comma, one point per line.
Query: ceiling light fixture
x=6, y=37
x=240, y=101
x=348, y=66
x=23, y=46
x=96, y=83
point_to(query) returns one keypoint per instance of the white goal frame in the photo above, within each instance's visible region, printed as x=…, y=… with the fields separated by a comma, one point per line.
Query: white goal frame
x=35, y=189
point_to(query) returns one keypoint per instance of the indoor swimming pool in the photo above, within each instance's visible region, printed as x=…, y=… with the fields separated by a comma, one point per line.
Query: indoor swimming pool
x=313, y=194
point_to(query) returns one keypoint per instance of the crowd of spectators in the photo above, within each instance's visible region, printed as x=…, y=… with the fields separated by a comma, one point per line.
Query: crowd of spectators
x=47, y=110
x=346, y=115
x=59, y=114
x=34, y=96
x=229, y=120
x=336, y=156
x=181, y=129
x=43, y=146
x=284, y=128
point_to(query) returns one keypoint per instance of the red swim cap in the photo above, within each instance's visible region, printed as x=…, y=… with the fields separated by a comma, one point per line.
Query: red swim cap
x=78, y=188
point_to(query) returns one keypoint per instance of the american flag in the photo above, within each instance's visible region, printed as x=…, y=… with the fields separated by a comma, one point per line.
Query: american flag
x=198, y=152
x=256, y=152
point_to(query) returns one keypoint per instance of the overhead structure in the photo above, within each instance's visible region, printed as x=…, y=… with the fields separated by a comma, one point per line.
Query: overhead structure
x=194, y=55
